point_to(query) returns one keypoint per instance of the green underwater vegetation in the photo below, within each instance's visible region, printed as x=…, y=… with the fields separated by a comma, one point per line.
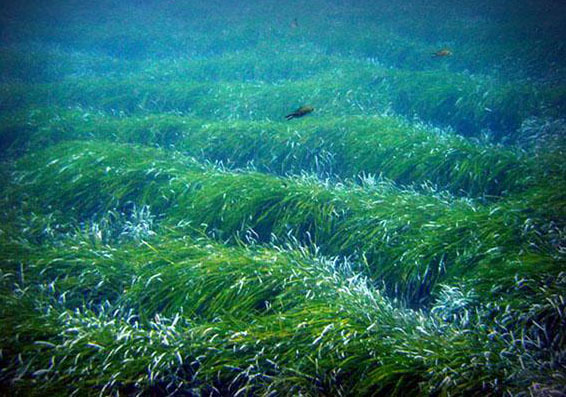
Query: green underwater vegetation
x=165, y=231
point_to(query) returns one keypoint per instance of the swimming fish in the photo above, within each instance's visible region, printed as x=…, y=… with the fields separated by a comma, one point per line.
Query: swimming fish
x=294, y=24
x=300, y=112
x=444, y=52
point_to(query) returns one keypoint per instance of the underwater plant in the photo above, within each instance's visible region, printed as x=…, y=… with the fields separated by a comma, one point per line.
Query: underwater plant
x=165, y=231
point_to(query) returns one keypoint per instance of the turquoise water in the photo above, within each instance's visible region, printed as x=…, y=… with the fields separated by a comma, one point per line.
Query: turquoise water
x=332, y=198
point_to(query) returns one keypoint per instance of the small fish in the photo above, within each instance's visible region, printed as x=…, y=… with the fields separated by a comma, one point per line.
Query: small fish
x=294, y=23
x=444, y=52
x=300, y=112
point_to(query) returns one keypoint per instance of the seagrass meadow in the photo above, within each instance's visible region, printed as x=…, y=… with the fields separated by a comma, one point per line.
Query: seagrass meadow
x=166, y=231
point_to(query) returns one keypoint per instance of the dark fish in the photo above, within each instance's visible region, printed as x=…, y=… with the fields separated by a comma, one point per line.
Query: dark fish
x=300, y=112
x=294, y=24
x=444, y=52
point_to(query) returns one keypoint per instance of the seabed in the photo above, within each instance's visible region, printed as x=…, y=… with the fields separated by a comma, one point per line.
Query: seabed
x=165, y=231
